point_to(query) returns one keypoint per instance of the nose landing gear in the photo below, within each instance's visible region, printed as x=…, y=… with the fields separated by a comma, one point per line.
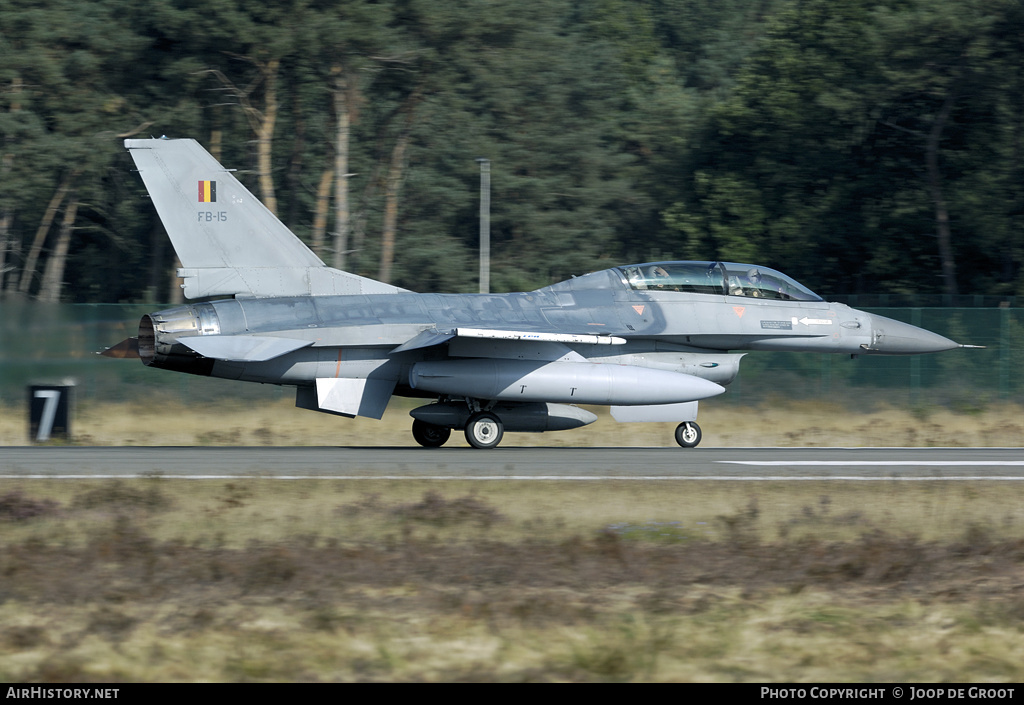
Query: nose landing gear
x=688, y=434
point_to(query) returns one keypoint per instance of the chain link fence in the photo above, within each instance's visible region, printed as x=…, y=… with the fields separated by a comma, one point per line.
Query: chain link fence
x=44, y=343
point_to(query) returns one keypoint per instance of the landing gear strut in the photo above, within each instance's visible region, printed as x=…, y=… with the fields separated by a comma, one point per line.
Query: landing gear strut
x=688, y=434
x=484, y=430
x=428, y=435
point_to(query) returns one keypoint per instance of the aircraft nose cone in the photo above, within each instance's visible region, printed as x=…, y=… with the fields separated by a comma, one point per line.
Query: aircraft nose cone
x=889, y=337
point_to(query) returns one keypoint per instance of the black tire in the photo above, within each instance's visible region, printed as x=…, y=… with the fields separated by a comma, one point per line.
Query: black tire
x=484, y=430
x=428, y=435
x=688, y=434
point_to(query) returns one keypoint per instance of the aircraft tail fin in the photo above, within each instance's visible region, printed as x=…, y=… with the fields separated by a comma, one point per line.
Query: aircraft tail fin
x=228, y=242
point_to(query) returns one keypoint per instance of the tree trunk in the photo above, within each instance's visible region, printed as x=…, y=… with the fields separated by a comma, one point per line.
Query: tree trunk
x=44, y=227
x=157, y=245
x=5, y=236
x=53, y=277
x=215, y=143
x=394, y=185
x=344, y=85
x=294, y=209
x=5, y=229
x=323, y=204
x=6, y=161
x=261, y=122
x=943, y=233
x=10, y=250
x=175, y=294
x=265, y=134
x=357, y=224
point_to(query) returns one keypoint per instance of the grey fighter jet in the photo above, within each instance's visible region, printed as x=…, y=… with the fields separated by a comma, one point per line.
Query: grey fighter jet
x=648, y=340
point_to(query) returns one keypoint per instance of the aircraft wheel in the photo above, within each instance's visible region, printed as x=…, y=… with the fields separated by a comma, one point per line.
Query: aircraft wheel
x=428, y=435
x=688, y=434
x=484, y=430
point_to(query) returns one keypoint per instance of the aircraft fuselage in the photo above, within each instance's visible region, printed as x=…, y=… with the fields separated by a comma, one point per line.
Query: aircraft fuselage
x=355, y=335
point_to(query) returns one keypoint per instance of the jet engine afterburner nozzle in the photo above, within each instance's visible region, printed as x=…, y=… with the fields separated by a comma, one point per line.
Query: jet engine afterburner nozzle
x=158, y=339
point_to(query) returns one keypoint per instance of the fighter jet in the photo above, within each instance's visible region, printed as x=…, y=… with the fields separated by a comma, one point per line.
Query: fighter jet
x=649, y=340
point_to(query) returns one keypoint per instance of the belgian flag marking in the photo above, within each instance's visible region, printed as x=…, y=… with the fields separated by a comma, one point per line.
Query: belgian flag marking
x=207, y=191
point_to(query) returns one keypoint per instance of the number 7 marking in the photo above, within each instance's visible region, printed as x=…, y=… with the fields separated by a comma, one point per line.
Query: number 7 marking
x=52, y=397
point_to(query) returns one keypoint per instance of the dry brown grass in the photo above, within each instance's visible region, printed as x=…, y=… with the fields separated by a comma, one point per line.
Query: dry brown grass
x=264, y=580
x=774, y=424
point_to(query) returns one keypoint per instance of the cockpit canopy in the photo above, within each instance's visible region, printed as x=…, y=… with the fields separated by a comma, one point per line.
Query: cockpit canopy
x=721, y=278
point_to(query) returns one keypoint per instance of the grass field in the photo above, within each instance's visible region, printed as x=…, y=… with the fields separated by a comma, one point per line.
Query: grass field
x=776, y=423
x=264, y=580
x=267, y=580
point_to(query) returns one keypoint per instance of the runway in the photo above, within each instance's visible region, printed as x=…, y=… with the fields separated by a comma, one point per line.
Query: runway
x=526, y=464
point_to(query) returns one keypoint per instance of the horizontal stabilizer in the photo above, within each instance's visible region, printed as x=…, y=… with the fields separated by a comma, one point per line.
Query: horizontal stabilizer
x=242, y=348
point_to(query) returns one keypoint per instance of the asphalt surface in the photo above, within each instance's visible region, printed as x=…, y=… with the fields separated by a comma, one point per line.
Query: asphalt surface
x=736, y=464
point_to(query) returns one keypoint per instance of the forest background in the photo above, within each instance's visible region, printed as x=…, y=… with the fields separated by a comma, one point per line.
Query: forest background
x=858, y=146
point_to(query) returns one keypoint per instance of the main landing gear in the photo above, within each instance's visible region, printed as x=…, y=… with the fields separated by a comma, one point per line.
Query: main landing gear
x=484, y=430
x=428, y=435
